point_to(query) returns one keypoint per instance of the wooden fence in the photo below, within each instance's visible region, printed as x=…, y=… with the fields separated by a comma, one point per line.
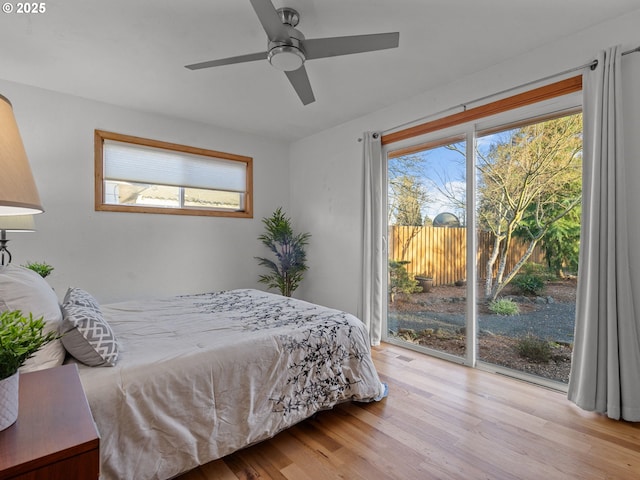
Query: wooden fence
x=441, y=252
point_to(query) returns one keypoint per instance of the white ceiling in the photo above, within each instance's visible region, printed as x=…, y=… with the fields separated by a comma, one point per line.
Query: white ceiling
x=133, y=52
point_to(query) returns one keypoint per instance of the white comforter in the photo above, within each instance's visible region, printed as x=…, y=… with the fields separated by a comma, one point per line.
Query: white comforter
x=201, y=376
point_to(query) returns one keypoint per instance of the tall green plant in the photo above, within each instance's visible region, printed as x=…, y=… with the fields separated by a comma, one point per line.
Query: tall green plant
x=287, y=271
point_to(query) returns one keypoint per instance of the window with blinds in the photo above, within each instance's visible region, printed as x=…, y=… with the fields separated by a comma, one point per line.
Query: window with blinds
x=148, y=176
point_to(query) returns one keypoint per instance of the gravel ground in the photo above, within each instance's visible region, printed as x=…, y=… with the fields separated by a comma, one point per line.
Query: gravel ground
x=551, y=321
x=436, y=320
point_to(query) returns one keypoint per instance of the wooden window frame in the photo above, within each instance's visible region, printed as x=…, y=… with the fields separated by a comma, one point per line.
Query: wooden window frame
x=100, y=136
x=546, y=92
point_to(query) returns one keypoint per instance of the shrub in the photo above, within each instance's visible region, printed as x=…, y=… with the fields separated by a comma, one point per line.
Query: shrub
x=528, y=283
x=504, y=306
x=531, y=278
x=400, y=282
x=534, y=348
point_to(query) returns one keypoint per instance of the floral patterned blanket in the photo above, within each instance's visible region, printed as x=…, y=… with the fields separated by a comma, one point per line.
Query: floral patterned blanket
x=201, y=376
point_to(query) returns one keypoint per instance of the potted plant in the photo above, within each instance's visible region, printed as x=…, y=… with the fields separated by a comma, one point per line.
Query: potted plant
x=425, y=280
x=41, y=268
x=20, y=338
x=287, y=271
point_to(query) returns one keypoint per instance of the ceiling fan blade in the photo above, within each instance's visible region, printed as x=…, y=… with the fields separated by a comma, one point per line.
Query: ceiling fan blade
x=270, y=20
x=335, y=46
x=228, y=61
x=300, y=81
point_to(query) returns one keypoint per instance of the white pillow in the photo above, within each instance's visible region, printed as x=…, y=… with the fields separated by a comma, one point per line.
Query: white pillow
x=25, y=290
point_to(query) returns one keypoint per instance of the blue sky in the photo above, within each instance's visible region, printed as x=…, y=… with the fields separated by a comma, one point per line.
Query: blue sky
x=444, y=170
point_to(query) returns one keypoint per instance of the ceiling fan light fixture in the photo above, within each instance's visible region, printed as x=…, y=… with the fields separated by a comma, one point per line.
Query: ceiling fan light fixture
x=288, y=50
x=286, y=58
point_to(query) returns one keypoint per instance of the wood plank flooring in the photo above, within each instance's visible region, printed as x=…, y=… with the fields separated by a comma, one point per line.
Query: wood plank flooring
x=443, y=421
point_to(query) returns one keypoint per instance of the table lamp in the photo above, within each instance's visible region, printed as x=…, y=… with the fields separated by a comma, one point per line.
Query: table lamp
x=18, y=192
x=13, y=223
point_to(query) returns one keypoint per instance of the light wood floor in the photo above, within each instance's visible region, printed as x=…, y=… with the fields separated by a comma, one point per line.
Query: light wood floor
x=443, y=421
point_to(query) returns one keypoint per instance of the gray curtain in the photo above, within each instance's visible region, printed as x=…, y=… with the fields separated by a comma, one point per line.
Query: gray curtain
x=374, y=238
x=605, y=374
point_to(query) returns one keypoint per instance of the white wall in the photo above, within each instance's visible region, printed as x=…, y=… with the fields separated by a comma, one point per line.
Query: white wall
x=326, y=169
x=118, y=256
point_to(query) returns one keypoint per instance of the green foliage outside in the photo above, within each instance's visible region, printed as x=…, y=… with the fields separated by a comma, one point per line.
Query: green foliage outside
x=529, y=187
x=561, y=240
x=528, y=284
x=399, y=279
x=531, y=279
x=408, y=196
x=41, y=268
x=534, y=348
x=287, y=271
x=529, y=180
x=561, y=243
x=20, y=338
x=504, y=306
x=538, y=270
x=410, y=199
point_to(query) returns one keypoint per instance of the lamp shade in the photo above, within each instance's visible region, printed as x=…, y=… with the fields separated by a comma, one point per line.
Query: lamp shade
x=18, y=192
x=17, y=223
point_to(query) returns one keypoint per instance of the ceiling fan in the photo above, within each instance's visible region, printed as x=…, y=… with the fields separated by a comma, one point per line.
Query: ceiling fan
x=288, y=49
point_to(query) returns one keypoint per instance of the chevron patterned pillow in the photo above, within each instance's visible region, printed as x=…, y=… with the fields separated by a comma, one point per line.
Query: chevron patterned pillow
x=87, y=336
x=81, y=298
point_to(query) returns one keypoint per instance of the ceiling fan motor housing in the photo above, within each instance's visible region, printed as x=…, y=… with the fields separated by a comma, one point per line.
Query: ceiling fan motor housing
x=287, y=54
x=289, y=16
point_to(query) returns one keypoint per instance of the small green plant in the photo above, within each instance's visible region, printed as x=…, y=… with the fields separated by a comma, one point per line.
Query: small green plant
x=528, y=284
x=20, y=338
x=399, y=280
x=531, y=279
x=504, y=306
x=540, y=270
x=534, y=348
x=287, y=271
x=41, y=268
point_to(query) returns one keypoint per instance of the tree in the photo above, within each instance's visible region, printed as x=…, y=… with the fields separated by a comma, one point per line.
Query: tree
x=409, y=201
x=407, y=196
x=529, y=179
x=289, y=249
x=561, y=242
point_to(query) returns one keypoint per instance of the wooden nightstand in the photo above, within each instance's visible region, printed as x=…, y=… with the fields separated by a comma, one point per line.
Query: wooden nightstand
x=55, y=437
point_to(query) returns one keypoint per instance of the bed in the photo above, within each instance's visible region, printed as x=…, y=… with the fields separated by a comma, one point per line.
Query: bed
x=200, y=376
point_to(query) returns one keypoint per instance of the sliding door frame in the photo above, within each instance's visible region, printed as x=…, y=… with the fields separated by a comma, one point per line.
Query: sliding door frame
x=556, y=99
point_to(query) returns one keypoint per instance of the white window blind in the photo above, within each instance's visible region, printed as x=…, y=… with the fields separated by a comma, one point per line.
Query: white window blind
x=149, y=165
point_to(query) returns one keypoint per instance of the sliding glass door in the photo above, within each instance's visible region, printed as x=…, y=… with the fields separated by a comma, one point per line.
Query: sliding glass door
x=529, y=187
x=483, y=241
x=427, y=246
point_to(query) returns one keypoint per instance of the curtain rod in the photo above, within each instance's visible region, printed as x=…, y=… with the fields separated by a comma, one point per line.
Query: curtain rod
x=592, y=65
